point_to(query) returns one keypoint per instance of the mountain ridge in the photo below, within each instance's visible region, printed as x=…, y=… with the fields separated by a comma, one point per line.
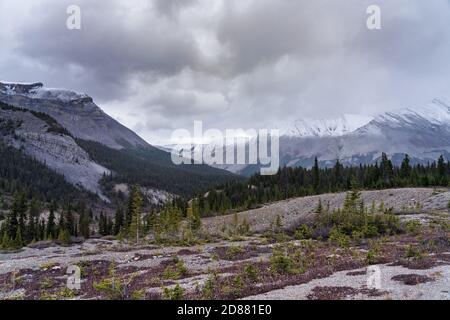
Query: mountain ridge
x=76, y=112
x=71, y=135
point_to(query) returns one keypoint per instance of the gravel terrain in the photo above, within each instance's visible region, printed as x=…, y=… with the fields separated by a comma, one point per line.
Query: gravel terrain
x=296, y=211
x=438, y=288
x=330, y=272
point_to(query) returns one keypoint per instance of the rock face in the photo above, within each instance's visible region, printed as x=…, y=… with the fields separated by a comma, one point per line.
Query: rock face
x=74, y=111
x=76, y=116
x=153, y=196
x=58, y=151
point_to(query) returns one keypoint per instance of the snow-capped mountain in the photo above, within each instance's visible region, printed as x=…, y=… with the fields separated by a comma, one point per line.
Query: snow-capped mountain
x=433, y=114
x=325, y=127
x=38, y=91
x=76, y=112
x=421, y=132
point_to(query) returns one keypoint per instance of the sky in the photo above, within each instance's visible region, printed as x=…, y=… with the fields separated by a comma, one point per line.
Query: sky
x=159, y=65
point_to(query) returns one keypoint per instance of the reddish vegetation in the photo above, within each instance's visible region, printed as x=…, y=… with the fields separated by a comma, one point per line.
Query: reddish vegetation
x=412, y=279
x=339, y=293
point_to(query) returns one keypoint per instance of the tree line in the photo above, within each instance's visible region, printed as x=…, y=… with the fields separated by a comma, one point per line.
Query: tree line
x=30, y=221
x=299, y=182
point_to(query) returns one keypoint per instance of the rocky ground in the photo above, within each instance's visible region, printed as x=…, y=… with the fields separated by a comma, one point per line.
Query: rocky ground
x=410, y=265
x=299, y=210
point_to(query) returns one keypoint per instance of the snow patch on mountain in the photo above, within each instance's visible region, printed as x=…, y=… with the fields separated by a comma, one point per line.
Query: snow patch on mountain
x=436, y=112
x=340, y=126
x=76, y=112
x=38, y=91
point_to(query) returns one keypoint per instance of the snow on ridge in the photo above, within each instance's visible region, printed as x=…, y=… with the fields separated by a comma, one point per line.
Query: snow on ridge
x=340, y=126
x=36, y=90
x=436, y=112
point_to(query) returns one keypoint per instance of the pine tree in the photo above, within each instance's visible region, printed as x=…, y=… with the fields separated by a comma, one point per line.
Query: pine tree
x=129, y=211
x=61, y=223
x=18, y=241
x=20, y=207
x=442, y=178
x=33, y=216
x=51, y=226
x=136, y=214
x=16, y=218
x=103, y=224
x=387, y=170
x=118, y=221
x=405, y=169
x=193, y=216
x=83, y=223
x=69, y=220
x=64, y=236
x=337, y=175
x=6, y=241
x=12, y=224
x=316, y=176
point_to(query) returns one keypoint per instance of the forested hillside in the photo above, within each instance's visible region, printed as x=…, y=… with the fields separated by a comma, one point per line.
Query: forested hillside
x=151, y=167
x=19, y=172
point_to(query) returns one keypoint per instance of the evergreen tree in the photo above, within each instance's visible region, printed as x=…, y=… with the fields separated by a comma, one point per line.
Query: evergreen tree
x=118, y=221
x=129, y=211
x=193, y=215
x=18, y=241
x=442, y=172
x=405, y=169
x=64, y=236
x=51, y=225
x=33, y=216
x=136, y=214
x=103, y=224
x=16, y=218
x=316, y=176
x=69, y=220
x=83, y=224
x=6, y=241
x=387, y=170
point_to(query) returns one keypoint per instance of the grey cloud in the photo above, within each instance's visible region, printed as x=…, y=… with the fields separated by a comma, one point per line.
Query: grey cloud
x=159, y=65
x=172, y=7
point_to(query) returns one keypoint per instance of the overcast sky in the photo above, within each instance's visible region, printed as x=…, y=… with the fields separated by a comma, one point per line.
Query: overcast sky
x=159, y=65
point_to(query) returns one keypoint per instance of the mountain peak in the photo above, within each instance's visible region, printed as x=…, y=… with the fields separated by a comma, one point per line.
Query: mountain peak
x=437, y=112
x=37, y=90
x=74, y=111
x=342, y=125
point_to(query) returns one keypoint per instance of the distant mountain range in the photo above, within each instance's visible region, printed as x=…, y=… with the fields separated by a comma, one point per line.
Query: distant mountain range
x=421, y=132
x=71, y=135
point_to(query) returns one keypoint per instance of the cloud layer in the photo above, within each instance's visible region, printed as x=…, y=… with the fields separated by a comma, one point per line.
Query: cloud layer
x=159, y=65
